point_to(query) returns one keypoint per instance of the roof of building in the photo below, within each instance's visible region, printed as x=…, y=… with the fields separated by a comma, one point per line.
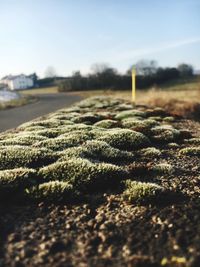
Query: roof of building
x=13, y=77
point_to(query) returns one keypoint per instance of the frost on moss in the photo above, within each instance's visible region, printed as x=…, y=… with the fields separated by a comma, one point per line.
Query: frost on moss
x=190, y=151
x=125, y=139
x=169, y=119
x=185, y=134
x=102, y=151
x=45, y=123
x=34, y=128
x=13, y=181
x=156, y=112
x=83, y=174
x=107, y=124
x=162, y=168
x=75, y=127
x=123, y=106
x=130, y=113
x=99, y=102
x=88, y=118
x=193, y=141
x=150, y=152
x=23, y=140
x=165, y=133
x=51, y=191
x=24, y=156
x=65, y=141
x=139, y=192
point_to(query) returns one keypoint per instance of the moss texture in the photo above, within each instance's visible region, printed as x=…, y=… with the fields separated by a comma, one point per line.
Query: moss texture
x=23, y=156
x=125, y=139
x=138, y=192
x=92, y=147
x=51, y=191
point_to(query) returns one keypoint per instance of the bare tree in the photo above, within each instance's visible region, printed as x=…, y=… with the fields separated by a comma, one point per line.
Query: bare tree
x=144, y=67
x=98, y=68
x=50, y=72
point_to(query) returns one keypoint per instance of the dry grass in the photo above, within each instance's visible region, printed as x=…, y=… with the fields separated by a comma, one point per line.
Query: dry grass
x=38, y=91
x=178, y=99
x=17, y=102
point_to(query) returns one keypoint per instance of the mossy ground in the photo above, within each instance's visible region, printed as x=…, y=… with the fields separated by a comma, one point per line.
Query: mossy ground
x=95, y=146
x=126, y=180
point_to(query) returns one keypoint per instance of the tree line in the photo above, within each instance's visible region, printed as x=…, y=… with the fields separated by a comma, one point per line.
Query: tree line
x=103, y=76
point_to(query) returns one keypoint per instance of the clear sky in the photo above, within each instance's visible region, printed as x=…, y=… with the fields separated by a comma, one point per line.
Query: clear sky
x=73, y=34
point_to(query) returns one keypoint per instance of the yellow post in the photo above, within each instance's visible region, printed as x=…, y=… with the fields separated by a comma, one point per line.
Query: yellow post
x=133, y=85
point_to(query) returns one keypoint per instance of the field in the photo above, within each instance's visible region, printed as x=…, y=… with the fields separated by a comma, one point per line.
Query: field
x=102, y=183
x=38, y=91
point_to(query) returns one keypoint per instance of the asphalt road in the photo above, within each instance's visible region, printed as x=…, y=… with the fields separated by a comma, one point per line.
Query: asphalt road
x=11, y=118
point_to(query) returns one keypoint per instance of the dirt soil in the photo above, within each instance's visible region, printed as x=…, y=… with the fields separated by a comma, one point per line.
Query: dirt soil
x=105, y=231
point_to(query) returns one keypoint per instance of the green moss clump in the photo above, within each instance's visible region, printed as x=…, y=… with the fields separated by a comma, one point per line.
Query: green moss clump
x=165, y=133
x=45, y=123
x=107, y=124
x=83, y=174
x=155, y=118
x=125, y=139
x=23, y=156
x=102, y=151
x=123, y=106
x=130, y=113
x=162, y=168
x=76, y=127
x=51, y=191
x=73, y=152
x=34, y=128
x=65, y=141
x=133, y=122
x=49, y=133
x=13, y=181
x=190, y=151
x=139, y=192
x=193, y=141
x=150, y=152
x=23, y=140
x=169, y=119
x=157, y=112
x=87, y=117
x=185, y=134
x=172, y=145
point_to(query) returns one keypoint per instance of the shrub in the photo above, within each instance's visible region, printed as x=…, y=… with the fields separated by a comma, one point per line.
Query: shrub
x=138, y=192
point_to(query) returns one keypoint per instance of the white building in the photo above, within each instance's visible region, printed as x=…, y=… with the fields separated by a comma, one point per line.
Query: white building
x=17, y=82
